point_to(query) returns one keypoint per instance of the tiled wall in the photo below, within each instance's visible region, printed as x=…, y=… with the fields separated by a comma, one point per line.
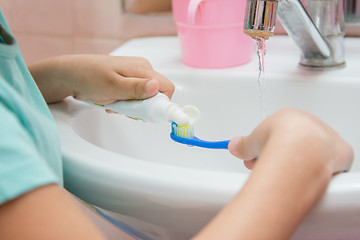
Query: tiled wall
x=46, y=28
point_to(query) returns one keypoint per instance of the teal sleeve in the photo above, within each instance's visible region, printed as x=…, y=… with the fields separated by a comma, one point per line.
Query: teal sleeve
x=22, y=168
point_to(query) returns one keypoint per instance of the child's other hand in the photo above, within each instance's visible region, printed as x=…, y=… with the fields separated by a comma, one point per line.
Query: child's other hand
x=102, y=79
x=293, y=135
x=298, y=155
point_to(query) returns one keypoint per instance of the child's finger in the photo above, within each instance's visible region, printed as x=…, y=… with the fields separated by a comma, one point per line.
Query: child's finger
x=242, y=148
x=137, y=88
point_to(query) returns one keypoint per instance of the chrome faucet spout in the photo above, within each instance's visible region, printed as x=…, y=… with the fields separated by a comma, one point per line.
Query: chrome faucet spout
x=316, y=26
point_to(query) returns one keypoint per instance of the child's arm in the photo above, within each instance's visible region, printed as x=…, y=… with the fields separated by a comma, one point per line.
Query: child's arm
x=45, y=213
x=100, y=78
x=298, y=156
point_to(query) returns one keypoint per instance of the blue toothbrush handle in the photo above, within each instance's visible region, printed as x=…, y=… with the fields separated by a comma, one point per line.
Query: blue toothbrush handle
x=201, y=143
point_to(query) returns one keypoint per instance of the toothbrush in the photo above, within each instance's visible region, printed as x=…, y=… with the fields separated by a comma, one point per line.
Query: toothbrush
x=185, y=134
x=159, y=109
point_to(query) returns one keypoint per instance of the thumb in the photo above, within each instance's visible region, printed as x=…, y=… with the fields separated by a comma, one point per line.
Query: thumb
x=242, y=148
x=139, y=88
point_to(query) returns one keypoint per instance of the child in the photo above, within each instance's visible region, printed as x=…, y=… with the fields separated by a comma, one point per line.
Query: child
x=299, y=153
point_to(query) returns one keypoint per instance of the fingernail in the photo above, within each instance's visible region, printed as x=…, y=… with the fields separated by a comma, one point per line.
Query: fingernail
x=151, y=87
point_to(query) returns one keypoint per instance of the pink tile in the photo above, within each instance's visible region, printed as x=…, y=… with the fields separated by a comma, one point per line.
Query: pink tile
x=7, y=8
x=279, y=29
x=40, y=16
x=96, y=45
x=94, y=18
x=352, y=30
x=133, y=26
x=35, y=48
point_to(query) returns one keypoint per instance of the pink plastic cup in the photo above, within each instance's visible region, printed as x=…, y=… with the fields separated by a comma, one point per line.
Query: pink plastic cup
x=211, y=33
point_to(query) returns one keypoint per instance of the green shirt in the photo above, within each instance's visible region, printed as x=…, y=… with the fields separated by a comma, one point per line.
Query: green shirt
x=30, y=154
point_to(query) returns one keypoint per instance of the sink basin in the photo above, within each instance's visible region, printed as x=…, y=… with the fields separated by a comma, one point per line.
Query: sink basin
x=137, y=174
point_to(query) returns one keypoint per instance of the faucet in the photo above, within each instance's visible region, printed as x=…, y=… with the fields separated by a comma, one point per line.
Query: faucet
x=316, y=26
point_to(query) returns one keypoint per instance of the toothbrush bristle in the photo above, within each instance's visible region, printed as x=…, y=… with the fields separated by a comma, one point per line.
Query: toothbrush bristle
x=184, y=131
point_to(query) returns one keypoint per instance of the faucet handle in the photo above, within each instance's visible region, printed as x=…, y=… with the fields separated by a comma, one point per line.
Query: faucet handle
x=318, y=30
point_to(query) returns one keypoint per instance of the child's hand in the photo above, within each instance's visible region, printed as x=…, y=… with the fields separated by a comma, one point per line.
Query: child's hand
x=298, y=155
x=290, y=134
x=100, y=78
x=293, y=133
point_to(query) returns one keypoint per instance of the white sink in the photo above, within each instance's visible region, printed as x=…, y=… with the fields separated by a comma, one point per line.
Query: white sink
x=169, y=191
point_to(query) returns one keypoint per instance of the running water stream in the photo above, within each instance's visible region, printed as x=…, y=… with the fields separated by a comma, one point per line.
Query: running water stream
x=260, y=43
